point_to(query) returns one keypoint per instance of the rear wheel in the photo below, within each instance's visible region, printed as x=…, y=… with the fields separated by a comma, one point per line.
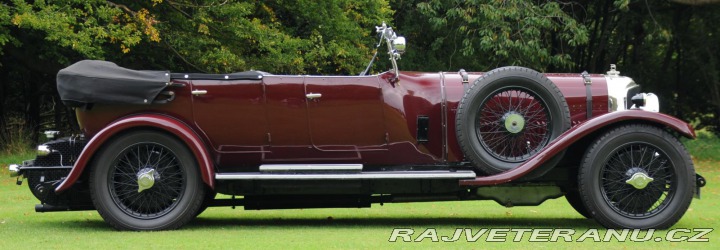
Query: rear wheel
x=146, y=180
x=637, y=176
x=209, y=198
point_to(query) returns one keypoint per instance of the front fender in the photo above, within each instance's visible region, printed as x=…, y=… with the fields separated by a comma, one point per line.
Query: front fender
x=576, y=133
x=175, y=127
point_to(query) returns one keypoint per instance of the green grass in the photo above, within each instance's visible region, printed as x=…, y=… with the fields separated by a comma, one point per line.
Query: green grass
x=223, y=227
x=705, y=147
x=7, y=159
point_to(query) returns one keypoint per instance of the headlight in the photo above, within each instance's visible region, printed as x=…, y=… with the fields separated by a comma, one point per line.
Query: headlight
x=43, y=150
x=646, y=101
x=14, y=170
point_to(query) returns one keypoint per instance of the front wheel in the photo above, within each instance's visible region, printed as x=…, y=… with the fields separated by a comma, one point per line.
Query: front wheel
x=573, y=197
x=146, y=180
x=637, y=176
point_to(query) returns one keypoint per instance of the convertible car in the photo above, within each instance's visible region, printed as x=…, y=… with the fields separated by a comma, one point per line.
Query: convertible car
x=156, y=147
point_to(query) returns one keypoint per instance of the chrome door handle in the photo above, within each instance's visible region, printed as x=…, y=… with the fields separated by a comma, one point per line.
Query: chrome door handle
x=313, y=95
x=199, y=92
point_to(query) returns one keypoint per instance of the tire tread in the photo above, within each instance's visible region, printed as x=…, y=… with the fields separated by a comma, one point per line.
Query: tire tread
x=585, y=172
x=193, y=206
x=475, y=87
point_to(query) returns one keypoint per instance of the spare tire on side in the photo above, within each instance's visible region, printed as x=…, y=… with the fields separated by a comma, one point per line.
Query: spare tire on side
x=507, y=116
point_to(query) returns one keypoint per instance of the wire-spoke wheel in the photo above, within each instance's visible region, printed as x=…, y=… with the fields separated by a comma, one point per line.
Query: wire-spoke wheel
x=146, y=181
x=513, y=124
x=638, y=162
x=508, y=116
x=637, y=176
x=164, y=186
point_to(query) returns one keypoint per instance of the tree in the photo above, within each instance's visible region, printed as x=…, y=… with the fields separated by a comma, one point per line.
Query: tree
x=481, y=35
x=670, y=49
x=37, y=38
x=696, y=2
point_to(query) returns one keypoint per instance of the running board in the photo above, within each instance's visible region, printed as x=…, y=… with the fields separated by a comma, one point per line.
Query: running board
x=376, y=175
x=310, y=167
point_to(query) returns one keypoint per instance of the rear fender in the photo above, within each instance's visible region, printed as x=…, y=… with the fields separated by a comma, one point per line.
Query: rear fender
x=578, y=132
x=170, y=125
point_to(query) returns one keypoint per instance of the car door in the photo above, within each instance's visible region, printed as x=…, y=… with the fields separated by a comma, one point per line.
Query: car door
x=345, y=114
x=231, y=114
x=288, y=132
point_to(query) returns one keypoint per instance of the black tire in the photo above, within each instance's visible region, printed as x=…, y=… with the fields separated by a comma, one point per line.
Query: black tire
x=171, y=202
x=209, y=198
x=573, y=197
x=642, y=150
x=491, y=129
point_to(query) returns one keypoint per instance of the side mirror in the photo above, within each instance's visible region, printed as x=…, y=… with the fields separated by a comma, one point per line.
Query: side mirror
x=398, y=45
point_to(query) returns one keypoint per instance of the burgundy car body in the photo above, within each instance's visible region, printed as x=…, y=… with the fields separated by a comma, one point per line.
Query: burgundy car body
x=375, y=119
x=397, y=129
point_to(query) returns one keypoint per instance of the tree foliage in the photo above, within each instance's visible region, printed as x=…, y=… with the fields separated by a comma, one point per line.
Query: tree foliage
x=300, y=36
x=480, y=35
x=37, y=38
x=671, y=48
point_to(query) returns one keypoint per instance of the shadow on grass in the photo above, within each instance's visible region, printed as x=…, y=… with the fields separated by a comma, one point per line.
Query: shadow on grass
x=77, y=225
x=396, y=222
x=230, y=223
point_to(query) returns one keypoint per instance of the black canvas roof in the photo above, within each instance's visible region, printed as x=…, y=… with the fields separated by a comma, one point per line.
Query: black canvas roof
x=92, y=81
x=102, y=82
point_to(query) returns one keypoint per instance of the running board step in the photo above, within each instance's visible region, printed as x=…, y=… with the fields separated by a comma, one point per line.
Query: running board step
x=376, y=175
x=311, y=168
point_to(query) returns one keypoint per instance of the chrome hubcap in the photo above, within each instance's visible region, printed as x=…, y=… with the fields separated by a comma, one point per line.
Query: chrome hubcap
x=146, y=179
x=514, y=122
x=639, y=180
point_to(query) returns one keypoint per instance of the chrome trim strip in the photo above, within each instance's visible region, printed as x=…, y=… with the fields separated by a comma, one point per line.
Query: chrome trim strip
x=465, y=174
x=45, y=167
x=310, y=167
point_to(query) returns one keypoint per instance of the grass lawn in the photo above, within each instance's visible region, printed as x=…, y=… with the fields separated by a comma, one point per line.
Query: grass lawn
x=222, y=227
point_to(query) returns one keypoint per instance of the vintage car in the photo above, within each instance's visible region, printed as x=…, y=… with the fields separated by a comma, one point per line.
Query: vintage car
x=156, y=147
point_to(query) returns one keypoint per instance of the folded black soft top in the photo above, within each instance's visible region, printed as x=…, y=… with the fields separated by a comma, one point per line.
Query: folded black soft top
x=102, y=82
x=92, y=81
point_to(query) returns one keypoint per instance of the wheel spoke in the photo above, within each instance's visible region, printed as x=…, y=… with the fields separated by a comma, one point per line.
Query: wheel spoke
x=162, y=196
x=629, y=159
x=515, y=146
